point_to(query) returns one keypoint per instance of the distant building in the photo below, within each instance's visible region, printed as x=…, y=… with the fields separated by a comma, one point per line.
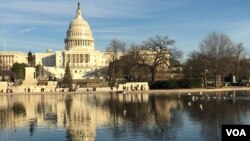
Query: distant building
x=148, y=57
x=79, y=52
x=8, y=58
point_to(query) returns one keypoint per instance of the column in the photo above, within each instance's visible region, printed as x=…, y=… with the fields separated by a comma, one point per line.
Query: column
x=86, y=58
x=78, y=58
x=74, y=57
x=71, y=60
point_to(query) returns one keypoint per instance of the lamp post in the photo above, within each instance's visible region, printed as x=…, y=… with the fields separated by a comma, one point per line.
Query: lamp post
x=205, y=77
x=191, y=72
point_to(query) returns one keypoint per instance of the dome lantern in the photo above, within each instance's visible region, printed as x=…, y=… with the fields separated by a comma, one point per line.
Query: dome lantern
x=78, y=12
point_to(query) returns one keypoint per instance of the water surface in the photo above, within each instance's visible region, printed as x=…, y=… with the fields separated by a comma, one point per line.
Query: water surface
x=80, y=117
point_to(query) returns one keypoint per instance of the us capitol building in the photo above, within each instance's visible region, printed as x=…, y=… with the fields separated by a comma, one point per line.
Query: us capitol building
x=79, y=52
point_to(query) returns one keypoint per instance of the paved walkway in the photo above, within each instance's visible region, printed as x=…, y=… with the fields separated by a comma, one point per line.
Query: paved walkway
x=165, y=91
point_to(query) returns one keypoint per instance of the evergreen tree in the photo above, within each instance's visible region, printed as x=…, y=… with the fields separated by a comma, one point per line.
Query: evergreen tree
x=67, y=79
x=19, y=70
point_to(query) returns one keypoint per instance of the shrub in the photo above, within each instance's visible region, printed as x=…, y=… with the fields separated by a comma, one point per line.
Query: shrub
x=175, y=84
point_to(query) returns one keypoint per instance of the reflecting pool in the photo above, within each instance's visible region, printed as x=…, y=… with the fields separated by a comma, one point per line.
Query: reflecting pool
x=81, y=117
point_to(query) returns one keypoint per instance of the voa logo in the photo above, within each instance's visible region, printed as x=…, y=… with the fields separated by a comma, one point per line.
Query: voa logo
x=236, y=132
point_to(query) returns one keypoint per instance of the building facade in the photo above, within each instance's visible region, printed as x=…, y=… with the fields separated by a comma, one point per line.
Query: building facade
x=79, y=52
x=8, y=58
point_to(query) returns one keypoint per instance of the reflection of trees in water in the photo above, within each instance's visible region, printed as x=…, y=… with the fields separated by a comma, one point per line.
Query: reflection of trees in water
x=19, y=109
x=32, y=125
x=6, y=115
x=40, y=106
x=166, y=116
x=68, y=104
x=157, y=118
x=214, y=113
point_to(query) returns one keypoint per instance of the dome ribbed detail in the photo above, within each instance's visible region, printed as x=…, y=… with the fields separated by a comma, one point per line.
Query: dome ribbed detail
x=79, y=34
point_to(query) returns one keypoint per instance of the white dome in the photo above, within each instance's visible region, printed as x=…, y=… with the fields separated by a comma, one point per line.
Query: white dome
x=79, y=34
x=49, y=50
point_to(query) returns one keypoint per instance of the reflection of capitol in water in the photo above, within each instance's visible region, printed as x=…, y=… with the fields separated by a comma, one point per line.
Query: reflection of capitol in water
x=74, y=111
x=80, y=115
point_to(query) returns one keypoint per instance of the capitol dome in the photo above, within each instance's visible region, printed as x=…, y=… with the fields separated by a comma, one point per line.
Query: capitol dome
x=79, y=34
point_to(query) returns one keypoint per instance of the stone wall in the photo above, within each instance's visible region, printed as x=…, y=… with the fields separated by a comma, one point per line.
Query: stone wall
x=3, y=87
x=133, y=86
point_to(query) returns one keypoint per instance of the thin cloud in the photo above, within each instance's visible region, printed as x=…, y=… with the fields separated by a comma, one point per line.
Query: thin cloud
x=34, y=46
x=187, y=21
x=26, y=30
x=110, y=31
x=94, y=8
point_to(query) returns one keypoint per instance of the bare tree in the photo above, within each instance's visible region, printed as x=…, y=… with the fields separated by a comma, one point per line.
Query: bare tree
x=141, y=61
x=175, y=57
x=155, y=53
x=115, y=49
x=129, y=67
x=238, y=54
x=244, y=69
x=216, y=47
x=195, y=65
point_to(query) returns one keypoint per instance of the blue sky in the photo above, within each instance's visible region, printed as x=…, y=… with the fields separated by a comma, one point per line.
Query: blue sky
x=35, y=25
